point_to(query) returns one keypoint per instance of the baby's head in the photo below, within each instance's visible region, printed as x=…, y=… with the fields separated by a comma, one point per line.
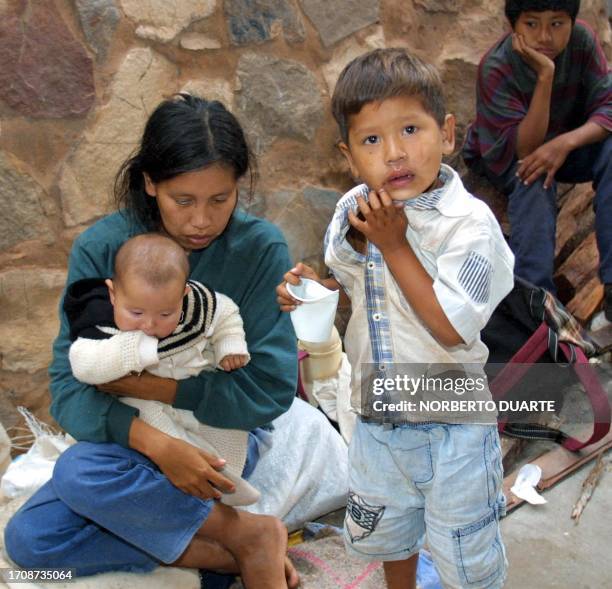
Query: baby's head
x=389, y=106
x=149, y=284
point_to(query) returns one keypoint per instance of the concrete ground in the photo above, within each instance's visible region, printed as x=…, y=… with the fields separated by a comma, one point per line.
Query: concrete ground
x=546, y=550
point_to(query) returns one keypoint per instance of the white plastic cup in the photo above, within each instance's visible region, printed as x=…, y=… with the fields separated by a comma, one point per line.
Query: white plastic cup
x=313, y=320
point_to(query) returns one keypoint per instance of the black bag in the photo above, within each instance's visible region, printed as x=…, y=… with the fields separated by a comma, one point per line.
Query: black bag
x=531, y=326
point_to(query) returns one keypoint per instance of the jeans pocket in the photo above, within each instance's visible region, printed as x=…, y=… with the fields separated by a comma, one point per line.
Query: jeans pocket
x=479, y=552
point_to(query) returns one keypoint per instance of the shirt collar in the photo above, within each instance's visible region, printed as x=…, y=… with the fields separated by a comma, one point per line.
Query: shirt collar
x=431, y=199
x=449, y=199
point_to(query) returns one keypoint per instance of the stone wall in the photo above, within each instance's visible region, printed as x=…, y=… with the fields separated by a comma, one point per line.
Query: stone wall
x=78, y=78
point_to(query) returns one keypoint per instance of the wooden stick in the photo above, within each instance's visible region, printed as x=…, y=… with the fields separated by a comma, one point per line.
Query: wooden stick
x=588, y=486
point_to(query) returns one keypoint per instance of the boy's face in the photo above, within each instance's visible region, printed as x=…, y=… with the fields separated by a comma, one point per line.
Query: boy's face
x=397, y=145
x=547, y=32
x=138, y=306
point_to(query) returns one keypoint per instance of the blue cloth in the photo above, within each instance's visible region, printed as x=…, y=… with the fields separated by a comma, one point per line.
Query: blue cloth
x=107, y=508
x=427, y=575
x=532, y=212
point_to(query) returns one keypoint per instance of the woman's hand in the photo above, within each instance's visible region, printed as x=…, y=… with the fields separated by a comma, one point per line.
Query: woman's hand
x=192, y=470
x=143, y=386
x=188, y=468
x=285, y=300
x=384, y=223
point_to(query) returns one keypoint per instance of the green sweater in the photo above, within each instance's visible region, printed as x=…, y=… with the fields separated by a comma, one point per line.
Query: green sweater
x=245, y=263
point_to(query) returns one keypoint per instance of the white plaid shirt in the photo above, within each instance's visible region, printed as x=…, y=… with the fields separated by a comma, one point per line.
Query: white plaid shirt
x=459, y=243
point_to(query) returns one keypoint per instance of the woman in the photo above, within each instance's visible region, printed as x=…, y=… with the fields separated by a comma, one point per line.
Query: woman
x=128, y=497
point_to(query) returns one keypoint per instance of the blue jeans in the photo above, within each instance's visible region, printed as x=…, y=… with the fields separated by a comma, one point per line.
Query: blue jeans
x=429, y=481
x=107, y=508
x=532, y=212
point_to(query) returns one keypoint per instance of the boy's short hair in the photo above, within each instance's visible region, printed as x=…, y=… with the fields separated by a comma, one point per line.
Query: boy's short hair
x=386, y=73
x=514, y=8
x=153, y=258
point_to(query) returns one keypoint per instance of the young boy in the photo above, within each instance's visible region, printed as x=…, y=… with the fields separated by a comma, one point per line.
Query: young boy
x=544, y=114
x=424, y=264
x=150, y=317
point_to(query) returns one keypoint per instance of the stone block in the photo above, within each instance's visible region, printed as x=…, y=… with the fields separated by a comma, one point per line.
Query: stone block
x=257, y=21
x=28, y=317
x=99, y=19
x=303, y=218
x=211, y=89
x=162, y=21
x=22, y=215
x=44, y=71
x=144, y=78
x=198, y=42
x=277, y=98
x=337, y=20
x=346, y=52
x=452, y=6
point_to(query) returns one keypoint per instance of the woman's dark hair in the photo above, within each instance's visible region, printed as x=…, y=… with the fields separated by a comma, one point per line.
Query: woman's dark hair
x=514, y=8
x=183, y=134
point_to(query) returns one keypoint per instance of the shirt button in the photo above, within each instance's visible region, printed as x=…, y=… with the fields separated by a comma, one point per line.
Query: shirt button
x=371, y=265
x=381, y=367
x=376, y=316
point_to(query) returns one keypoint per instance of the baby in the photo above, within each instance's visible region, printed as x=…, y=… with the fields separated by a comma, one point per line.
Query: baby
x=149, y=316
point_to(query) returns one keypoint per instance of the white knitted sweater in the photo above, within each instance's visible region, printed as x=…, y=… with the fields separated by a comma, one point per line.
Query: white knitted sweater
x=100, y=361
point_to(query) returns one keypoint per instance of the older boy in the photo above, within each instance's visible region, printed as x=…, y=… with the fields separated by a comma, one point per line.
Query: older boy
x=424, y=265
x=544, y=114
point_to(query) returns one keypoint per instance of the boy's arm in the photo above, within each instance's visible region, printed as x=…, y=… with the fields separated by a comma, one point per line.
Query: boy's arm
x=532, y=129
x=417, y=287
x=548, y=158
x=385, y=226
x=100, y=361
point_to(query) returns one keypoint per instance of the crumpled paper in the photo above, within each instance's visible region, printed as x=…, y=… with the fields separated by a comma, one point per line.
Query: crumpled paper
x=524, y=486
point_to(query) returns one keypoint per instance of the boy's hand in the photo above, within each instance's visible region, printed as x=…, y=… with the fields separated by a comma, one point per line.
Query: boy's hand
x=540, y=63
x=546, y=159
x=233, y=362
x=285, y=300
x=385, y=221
